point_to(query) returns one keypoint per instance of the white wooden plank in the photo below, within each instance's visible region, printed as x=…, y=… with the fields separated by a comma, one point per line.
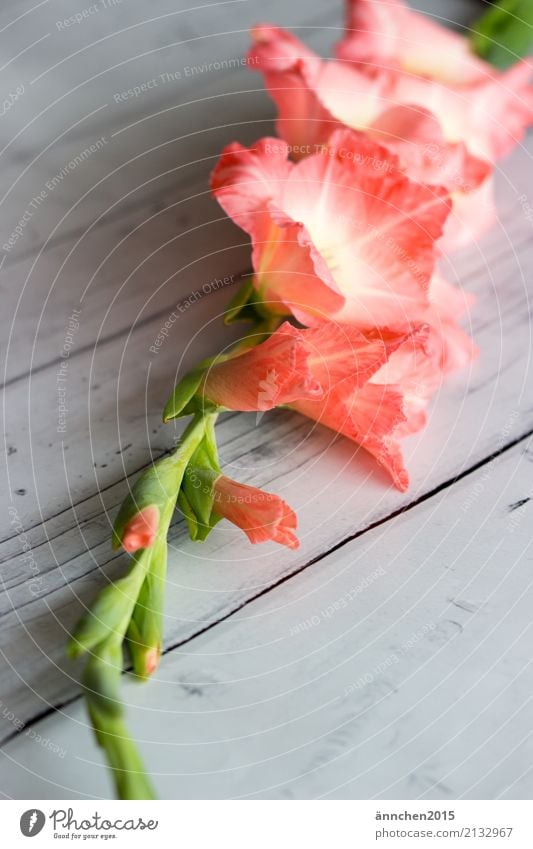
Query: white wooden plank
x=398, y=667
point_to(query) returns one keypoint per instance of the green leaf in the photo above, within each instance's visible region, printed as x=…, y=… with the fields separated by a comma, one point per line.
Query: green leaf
x=189, y=515
x=504, y=33
x=197, y=486
x=145, y=630
x=182, y=394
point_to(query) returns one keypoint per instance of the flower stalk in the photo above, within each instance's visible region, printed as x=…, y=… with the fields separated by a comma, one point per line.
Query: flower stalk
x=378, y=171
x=129, y=612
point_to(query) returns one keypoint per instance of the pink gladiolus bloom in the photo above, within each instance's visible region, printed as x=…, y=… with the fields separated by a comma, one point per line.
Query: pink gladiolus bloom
x=341, y=234
x=425, y=64
x=141, y=530
x=314, y=97
x=261, y=515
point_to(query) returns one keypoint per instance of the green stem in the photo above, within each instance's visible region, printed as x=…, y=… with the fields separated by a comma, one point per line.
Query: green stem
x=101, y=681
x=145, y=630
x=102, y=631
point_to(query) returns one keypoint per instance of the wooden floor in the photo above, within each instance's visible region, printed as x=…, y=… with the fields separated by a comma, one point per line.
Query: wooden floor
x=390, y=656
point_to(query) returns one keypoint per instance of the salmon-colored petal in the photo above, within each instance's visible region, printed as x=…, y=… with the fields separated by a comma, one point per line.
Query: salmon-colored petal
x=273, y=373
x=427, y=65
x=387, y=34
x=249, y=185
x=450, y=301
x=246, y=180
x=141, y=530
x=261, y=515
x=290, y=71
x=416, y=136
x=375, y=228
x=389, y=404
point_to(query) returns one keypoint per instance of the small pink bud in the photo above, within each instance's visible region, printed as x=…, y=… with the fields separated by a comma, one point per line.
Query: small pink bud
x=152, y=660
x=141, y=529
x=261, y=515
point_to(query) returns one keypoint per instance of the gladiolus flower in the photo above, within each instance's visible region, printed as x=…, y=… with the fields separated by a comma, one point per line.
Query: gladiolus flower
x=425, y=64
x=342, y=234
x=314, y=97
x=374, y=386
x=261, y=515
x=141, y=530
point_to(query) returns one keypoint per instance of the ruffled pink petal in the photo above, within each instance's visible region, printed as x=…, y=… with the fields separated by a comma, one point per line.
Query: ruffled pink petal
x=370, y=416
x=391, y=402
x=387, y=34
x=246, y=180
x=472, y=216
x=499, y=111
x=426, y=65
x=451, y=347
x=290, y=273
x=490, y=116
x=290, y=72
x=261, y=515
x=343, y=357
x=313, y=96
x=375, y=228
x=447, y=347
x=416, y=136
x=450, y=301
